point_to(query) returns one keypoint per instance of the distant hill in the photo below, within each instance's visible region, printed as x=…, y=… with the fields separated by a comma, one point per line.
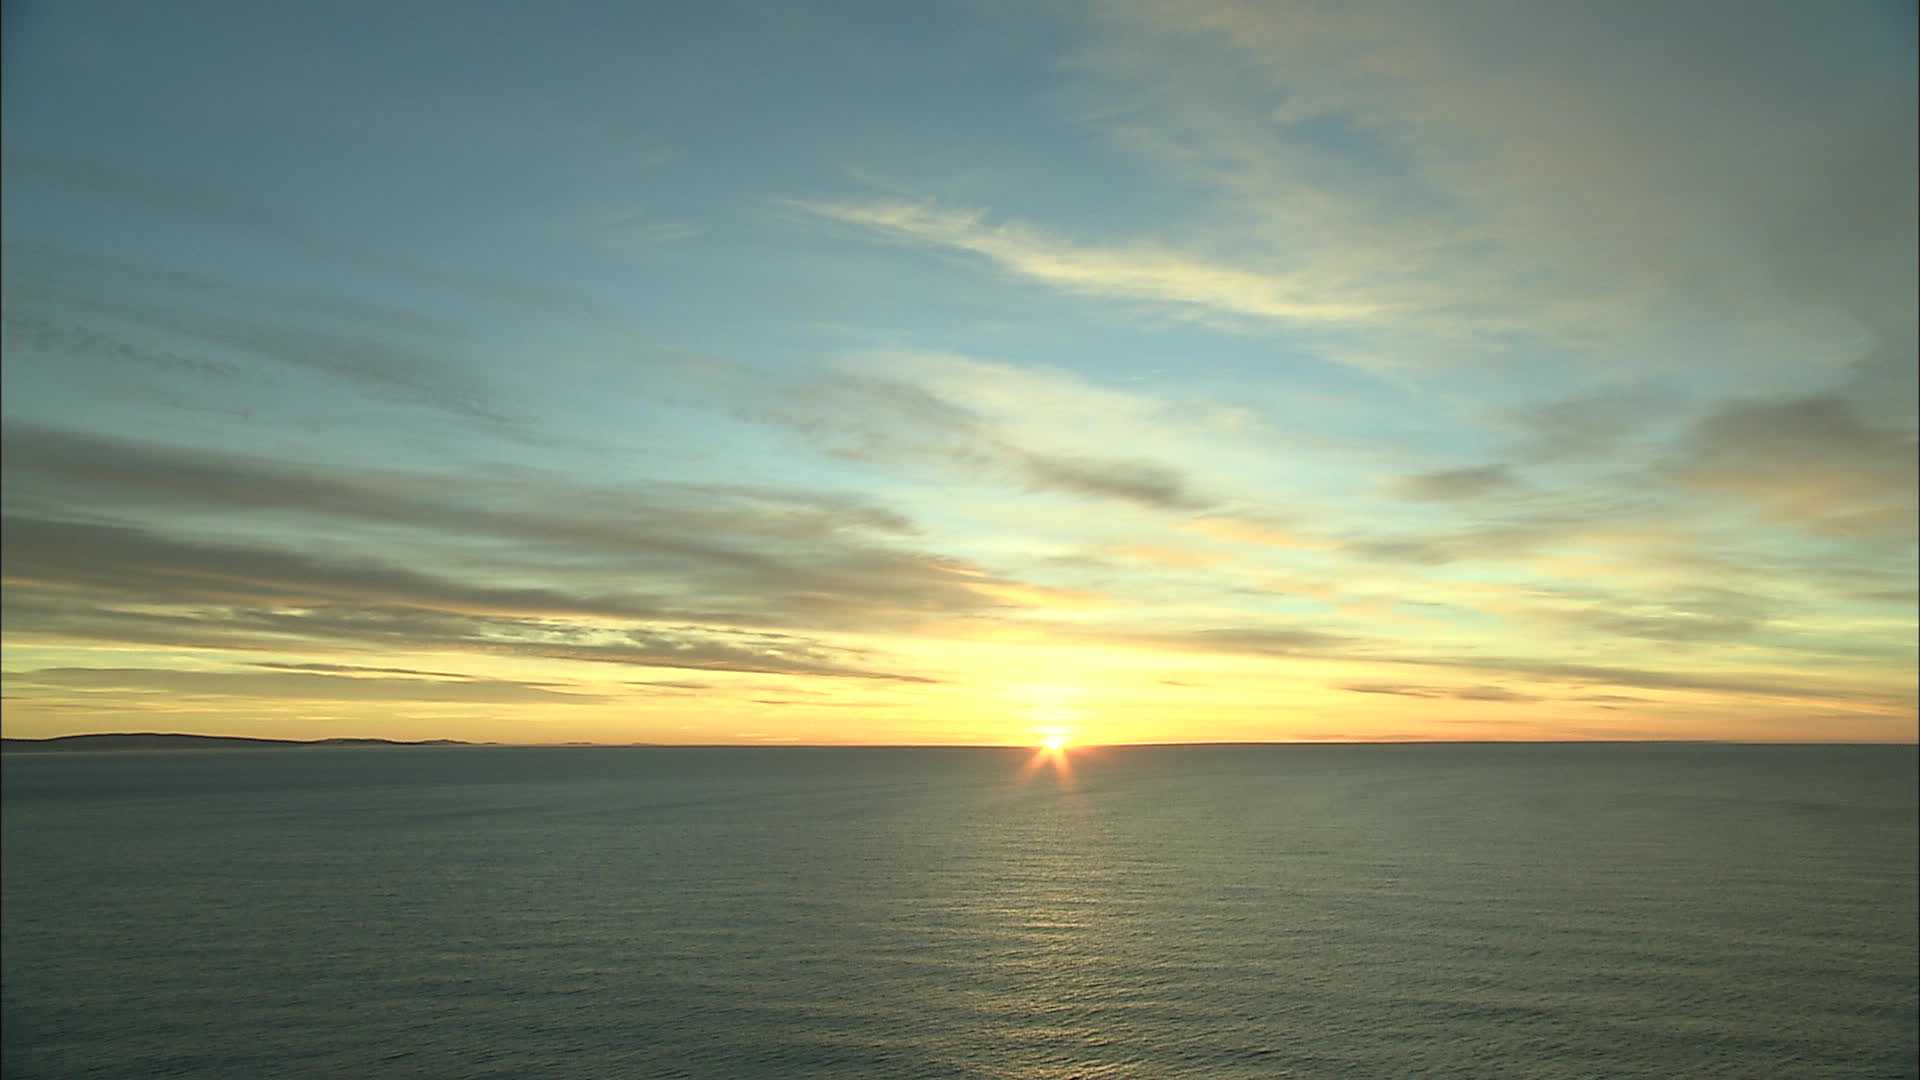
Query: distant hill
x=156, y=741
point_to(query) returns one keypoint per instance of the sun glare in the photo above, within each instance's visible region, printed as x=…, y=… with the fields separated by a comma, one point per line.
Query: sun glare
x=1054, y=738
x=1051, y=755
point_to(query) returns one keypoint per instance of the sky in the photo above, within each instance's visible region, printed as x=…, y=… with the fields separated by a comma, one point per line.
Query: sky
x=960, y=373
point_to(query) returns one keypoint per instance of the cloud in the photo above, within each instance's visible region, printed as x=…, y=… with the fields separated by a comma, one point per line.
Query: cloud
x=64, y=321
x=1140, y=273
x=991, y=419
x=1810, y=462
x=264, y=617
x=61, y=275
x=300, y=685
x=1249, y=640
x=1513, y=184
x=1589, y=426
x=731, y=552
x=1450, y=484
x=1890, y=692
x=1143, y=482
x=1544, y=523
x=358, y=669
x=68, y=580
x=30, y=331
x=667, y=576
x=692, y=649
x=1460, y=693
x=1763, y=685
x=1394, y=689
x=136, y=563
x=1491, y=693
x=1686, y=616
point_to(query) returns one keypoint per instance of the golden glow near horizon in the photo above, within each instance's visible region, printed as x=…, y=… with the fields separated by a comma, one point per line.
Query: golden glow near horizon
x=1168, y=378
x=1054, y=756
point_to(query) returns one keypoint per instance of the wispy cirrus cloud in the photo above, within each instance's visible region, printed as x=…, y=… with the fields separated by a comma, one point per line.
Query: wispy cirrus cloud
x=1496, y=162
x=995, y=421
x=1157, y=275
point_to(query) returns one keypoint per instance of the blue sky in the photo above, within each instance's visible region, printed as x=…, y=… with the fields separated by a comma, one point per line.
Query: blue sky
x=1187, y=371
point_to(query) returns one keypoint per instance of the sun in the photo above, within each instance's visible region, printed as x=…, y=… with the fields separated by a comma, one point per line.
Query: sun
x=1052, y=754
x=1054, y=739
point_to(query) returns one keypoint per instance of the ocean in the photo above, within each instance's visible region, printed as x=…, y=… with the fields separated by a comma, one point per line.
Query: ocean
x=1472, y=911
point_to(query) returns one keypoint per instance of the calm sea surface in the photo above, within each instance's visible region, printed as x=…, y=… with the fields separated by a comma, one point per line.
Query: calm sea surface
x=1437, y=911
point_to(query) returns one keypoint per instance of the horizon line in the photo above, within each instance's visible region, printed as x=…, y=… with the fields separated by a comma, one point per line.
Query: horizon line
x=446, y=742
